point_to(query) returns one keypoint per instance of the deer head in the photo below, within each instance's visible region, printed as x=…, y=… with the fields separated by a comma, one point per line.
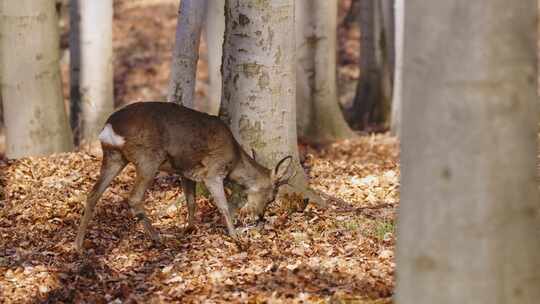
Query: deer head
x=265, y=191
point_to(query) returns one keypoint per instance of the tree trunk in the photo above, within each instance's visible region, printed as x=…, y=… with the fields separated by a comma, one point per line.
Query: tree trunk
x=91, y=89
x=468, y=223
x=395, y=124
x=371, y=105
x=258, y=101
x=35, y=116
x=388, y=25
x=319, y=118
x=215, y=28
x=186, y=52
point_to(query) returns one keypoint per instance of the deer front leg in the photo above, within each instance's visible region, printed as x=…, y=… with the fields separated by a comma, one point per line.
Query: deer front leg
x=189, y=191
x=145, y=177
x=215, y=186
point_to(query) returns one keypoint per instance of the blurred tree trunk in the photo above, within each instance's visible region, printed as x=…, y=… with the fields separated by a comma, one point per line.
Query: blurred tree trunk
x=395, y=124
x=1, y=107
x=319, y=118
x=258, y=101
x=186, y=52
x=215, y=28
x=91, y=53
x=371, y=105
x=388, y=32
x=352, y=14
x=35, y=116
x=469, y=217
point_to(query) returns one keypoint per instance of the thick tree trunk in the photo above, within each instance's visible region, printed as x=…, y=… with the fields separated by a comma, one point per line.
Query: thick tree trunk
x=319, y=118
x=191, y=16
x=215, y=28
x=468, y=223
x=35, y=116
x=258, y=100
x=395, y=124
x=91, y=89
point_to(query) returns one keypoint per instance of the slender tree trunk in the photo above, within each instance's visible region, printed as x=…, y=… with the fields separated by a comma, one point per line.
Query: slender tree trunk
x=469, y=218
x=36, y=120
x=258, y=100
x=1, y=111
x=91, y=89
x=368, y=91
x=186, y=52
x=319, y=118
x=371, y=105
x=395, y=124
x=215, y=28
x=388, y=55
x=388, y=25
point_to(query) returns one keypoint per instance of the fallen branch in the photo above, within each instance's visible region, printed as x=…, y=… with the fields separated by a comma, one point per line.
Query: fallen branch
x=345, y=206
x=360, y=209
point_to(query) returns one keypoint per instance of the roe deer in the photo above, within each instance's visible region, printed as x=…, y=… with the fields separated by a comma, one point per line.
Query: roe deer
x=200, y=147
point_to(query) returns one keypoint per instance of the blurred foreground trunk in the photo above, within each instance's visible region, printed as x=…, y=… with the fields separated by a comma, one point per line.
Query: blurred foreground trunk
x=469, y=214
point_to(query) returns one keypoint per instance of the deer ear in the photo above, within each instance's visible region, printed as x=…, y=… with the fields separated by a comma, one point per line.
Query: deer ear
x=282, y=171
x=253, y=154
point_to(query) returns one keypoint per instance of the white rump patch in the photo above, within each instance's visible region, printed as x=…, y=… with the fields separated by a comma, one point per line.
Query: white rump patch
x=107, y=136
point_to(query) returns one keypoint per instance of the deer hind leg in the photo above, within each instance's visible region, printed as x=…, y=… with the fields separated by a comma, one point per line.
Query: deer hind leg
x=146, y=170
x=189, y=191
x=113, y=162
x=215, y=186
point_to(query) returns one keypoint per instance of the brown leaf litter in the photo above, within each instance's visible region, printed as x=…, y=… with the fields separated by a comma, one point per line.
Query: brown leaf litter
x=319, y=256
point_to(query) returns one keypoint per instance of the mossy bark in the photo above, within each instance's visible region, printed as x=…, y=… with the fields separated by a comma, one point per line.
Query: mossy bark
x=258, y=99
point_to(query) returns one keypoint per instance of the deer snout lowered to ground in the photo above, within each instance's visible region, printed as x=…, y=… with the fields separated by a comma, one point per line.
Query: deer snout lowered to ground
x=200, y=147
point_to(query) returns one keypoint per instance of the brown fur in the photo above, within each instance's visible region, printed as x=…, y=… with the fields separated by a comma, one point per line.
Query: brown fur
x=200, y=147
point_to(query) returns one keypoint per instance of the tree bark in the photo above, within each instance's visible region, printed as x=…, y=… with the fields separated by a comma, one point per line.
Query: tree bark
x=395, y=123
x=371, y=105
x=215, y=28
x=388, y=30
x=319, y=118
x=469, y=217
x=258, y=100
x=91, y=68
x=35, y=116
x=191, y=15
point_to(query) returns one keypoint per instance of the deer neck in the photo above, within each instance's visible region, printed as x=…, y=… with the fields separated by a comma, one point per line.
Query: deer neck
x=249, y=173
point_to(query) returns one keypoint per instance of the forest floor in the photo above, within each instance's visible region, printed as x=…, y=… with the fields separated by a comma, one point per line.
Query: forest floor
x=330, y=255
x=333, y=255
